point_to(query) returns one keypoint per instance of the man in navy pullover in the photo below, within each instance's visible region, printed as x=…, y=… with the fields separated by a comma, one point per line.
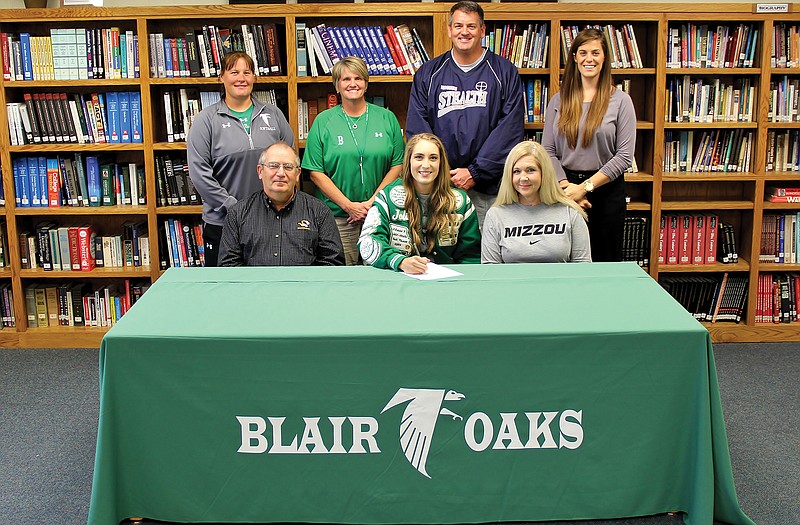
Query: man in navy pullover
x=472, y=99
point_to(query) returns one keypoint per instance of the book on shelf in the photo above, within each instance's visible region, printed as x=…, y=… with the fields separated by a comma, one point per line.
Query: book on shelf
x=778, y=297
x=180, y=243
x=76, y=181
x=711, y=46
x=636, y=240
x=689, y=238
x=785, y=45
x=391, y=51
x=780, y=238
x=623, y=46
x=55, y=118
x=78, y=304
x=70, y=54
x=709, y=151
x=7, y=306
x=709, y=100
x=709, y=298
x=536, y=95
x=784, y=100
x=174, y=187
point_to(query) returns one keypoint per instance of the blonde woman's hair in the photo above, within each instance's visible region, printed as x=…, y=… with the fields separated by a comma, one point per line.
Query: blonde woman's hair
x=354, y=64
x=442, y=200
x=549, y=191
x=572, y=92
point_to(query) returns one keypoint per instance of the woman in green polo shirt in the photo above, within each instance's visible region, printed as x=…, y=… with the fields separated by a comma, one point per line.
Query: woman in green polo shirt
x=353, y=150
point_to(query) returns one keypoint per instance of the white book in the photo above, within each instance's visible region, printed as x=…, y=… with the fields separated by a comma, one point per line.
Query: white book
x=134, y=184
x=322, y=54
x=311, y=44
x=168, y=118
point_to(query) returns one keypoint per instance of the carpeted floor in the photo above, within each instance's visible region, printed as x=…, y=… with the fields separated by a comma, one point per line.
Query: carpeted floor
x=49, y=407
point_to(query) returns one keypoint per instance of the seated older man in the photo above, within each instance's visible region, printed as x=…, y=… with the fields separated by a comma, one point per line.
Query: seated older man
x=280, y=226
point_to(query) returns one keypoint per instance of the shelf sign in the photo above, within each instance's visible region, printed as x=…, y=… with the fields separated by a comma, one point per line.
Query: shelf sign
x=772, y=8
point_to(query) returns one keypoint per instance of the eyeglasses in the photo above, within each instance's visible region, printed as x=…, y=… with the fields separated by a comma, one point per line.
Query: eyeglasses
x=288, y=167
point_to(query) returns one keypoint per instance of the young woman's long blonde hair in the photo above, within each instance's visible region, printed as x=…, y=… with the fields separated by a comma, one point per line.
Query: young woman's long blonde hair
x=442, y=199
x=572, y=92
x=549, y=190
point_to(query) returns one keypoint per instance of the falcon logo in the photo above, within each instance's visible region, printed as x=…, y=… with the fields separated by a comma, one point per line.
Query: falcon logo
x=419, y=420
x=265, y=117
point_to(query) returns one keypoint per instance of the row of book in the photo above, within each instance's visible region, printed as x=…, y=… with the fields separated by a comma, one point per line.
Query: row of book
x=199, y=52
x=173, y=185
x=80, y=304
x=785, y=45
x=784, y=100
x=695, y=238
x=180, y=243
x=53, y=247
x=182, y=105
x=709, y=298
x=621, y=40
x=307, y=110
x=526, y=47
x=636, y=240
x=780, y=238
x=71, y=54
x=393, y=51
x=709, y=100
x=778, y=297
x=56, y=118
x=783, y=150
x=7, y=318
x=537, y=94
x=691, y=45
x=708, y=151
x=77, y=180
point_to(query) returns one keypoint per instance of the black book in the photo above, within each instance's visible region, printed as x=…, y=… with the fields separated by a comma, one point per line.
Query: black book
x=194, y=58
x=32, y=116
x=786, y=308
x=212, y=66
x=70, y=181
x=81, y=107
x=98, y=54
x=99, y=259
x=141, y=185
x=48, y=135
x=259, y=38
x=51, y=108
x=77, y=292
x=67, y=114
x=161, y=177
x=164, y=257
x=43, y=248
x=173, y=198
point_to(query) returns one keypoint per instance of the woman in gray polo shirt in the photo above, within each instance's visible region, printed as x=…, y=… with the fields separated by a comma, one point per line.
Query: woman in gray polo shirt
x=590, y=134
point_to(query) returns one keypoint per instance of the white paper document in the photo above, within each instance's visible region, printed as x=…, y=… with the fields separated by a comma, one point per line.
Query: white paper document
x=435, y=272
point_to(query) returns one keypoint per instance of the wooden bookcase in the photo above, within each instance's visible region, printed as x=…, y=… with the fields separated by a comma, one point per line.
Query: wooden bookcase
x=739, y=197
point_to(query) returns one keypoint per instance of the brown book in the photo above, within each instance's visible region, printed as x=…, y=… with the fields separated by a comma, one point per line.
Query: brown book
x=273, y=50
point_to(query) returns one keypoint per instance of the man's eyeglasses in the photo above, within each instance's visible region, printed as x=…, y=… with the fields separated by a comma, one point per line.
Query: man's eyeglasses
x=288, y=167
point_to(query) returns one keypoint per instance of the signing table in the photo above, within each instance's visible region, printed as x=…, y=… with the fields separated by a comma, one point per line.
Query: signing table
x=356, y=395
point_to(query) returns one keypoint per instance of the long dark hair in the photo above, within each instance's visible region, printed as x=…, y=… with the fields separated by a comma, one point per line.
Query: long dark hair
x=572, y=92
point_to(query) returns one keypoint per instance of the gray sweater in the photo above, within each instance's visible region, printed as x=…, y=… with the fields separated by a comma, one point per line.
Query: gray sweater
x=516, y=233
x=611, y=149
x=222, y=156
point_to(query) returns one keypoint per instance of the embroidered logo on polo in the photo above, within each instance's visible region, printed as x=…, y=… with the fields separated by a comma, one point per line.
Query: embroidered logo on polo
x=304, y=224
x=452, y=99
x=265, y=117
x=526, y=431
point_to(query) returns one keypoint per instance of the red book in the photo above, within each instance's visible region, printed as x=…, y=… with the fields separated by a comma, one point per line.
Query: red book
x=332, y=101
x=662, y=241
x=787, y=198
x=53, y=183
x=712, y=230
x=699, y=239
x=74, y=254
x=392, y=38
x=86, y=248
x=684, y=239
x=176, y=68
x=672, y=235
x=6, y=57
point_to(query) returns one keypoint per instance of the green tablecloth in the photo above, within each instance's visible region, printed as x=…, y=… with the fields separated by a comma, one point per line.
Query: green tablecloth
x=518, y=393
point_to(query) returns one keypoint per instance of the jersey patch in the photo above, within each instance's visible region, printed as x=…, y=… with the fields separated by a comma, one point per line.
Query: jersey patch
x=449, y=236
x=400, y=237
x=459, y=100
x=398, y=196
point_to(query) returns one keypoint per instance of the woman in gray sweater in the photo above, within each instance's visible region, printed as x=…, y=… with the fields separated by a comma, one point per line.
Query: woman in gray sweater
x=532, y=219
x=590, y=134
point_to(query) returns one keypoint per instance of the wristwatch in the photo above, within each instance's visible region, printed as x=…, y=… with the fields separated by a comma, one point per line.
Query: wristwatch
x=588, y=186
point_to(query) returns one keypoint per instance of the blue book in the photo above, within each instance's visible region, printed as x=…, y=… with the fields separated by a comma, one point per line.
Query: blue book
x=379, y=46
x=176, y=259
x=42, y=161
x=529, y=99
x=136, y=116
x=27, y=62
x=24, y=184
x=377, y=66
x=168, y=57
x=112, y=100
x=104, y=116
x=124, y=116
x=94, y=185
x=338, y=42
x=17, y=184
x=33, y=178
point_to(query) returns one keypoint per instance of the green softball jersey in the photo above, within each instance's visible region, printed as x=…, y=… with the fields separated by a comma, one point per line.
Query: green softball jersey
x=335, y=148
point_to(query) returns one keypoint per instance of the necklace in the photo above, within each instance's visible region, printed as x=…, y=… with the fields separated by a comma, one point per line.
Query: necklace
x=359, y=148
x=354, y=122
